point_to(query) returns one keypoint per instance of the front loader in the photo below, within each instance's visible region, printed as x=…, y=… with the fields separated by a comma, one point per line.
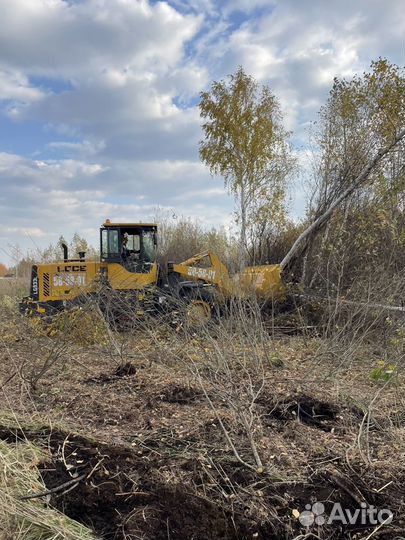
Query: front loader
x=128, y=269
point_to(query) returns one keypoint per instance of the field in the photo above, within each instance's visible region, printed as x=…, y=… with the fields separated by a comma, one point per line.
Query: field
x=159, y=432
x=13, y=287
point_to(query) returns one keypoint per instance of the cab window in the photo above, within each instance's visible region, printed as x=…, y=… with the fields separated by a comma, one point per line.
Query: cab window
x=134, y=242
x=149, y=246
x=109, y=243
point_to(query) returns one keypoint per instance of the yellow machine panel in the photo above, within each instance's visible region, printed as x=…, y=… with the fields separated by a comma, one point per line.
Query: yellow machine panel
x=121, y=279
x=66, y=280
x=264, y=281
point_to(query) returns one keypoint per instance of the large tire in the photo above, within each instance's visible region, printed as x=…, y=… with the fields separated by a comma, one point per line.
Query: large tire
x=198, y=306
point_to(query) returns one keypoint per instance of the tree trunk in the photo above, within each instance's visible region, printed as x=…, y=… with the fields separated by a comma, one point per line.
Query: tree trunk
x=243, y=243
x=305, y=238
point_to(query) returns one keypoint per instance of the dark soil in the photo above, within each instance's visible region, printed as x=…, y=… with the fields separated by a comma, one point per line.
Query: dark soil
x=307, y=410
x=122, y=497
x=180, y=394
x=125, y=370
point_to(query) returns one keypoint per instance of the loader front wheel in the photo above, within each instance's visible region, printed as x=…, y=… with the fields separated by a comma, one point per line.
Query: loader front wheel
x=198, y=313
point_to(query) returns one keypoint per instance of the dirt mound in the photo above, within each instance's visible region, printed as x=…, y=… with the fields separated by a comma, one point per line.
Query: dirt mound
x=176, y=393
x=307, y=410
x=119, y=495
x=126, y=370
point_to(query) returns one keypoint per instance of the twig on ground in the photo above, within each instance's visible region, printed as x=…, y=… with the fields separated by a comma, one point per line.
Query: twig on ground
x=56, y=489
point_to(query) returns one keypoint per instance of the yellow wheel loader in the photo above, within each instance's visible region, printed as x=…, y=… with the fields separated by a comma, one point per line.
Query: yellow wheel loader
x=128, y=267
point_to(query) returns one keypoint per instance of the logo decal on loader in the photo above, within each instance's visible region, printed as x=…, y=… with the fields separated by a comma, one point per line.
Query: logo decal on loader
x=35, y=285
x=69, y=280
x=72, y=268
x=202, y=273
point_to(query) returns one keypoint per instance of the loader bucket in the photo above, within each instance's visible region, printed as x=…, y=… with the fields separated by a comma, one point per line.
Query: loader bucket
x=264, y=281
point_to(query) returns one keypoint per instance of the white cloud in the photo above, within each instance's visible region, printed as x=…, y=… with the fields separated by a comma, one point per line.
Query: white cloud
x=84, y=148
x=15, y=86
x=34, y=232
x=200, y=194
x=37, y=174
x=299, y=47
x=83, y=38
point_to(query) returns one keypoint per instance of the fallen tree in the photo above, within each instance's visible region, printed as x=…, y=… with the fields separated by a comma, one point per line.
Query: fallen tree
x=305, y=239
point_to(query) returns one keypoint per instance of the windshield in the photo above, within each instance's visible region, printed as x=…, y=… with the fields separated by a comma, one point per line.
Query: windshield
x=134, y=247
x=133, y=242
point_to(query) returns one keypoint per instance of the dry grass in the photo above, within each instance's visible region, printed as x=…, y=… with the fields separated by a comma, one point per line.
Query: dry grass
x=33, y=518
x=14, y=287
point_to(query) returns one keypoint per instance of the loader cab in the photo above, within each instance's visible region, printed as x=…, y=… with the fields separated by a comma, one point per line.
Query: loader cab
x=132, y=245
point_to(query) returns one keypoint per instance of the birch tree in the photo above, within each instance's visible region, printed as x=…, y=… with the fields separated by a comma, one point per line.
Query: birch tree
x=245, y=143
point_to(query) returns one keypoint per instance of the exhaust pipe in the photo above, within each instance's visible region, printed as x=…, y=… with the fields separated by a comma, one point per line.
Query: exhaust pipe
x=65, y=252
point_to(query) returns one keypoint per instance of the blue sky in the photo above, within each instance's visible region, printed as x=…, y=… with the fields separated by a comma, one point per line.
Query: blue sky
x=99, y=99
